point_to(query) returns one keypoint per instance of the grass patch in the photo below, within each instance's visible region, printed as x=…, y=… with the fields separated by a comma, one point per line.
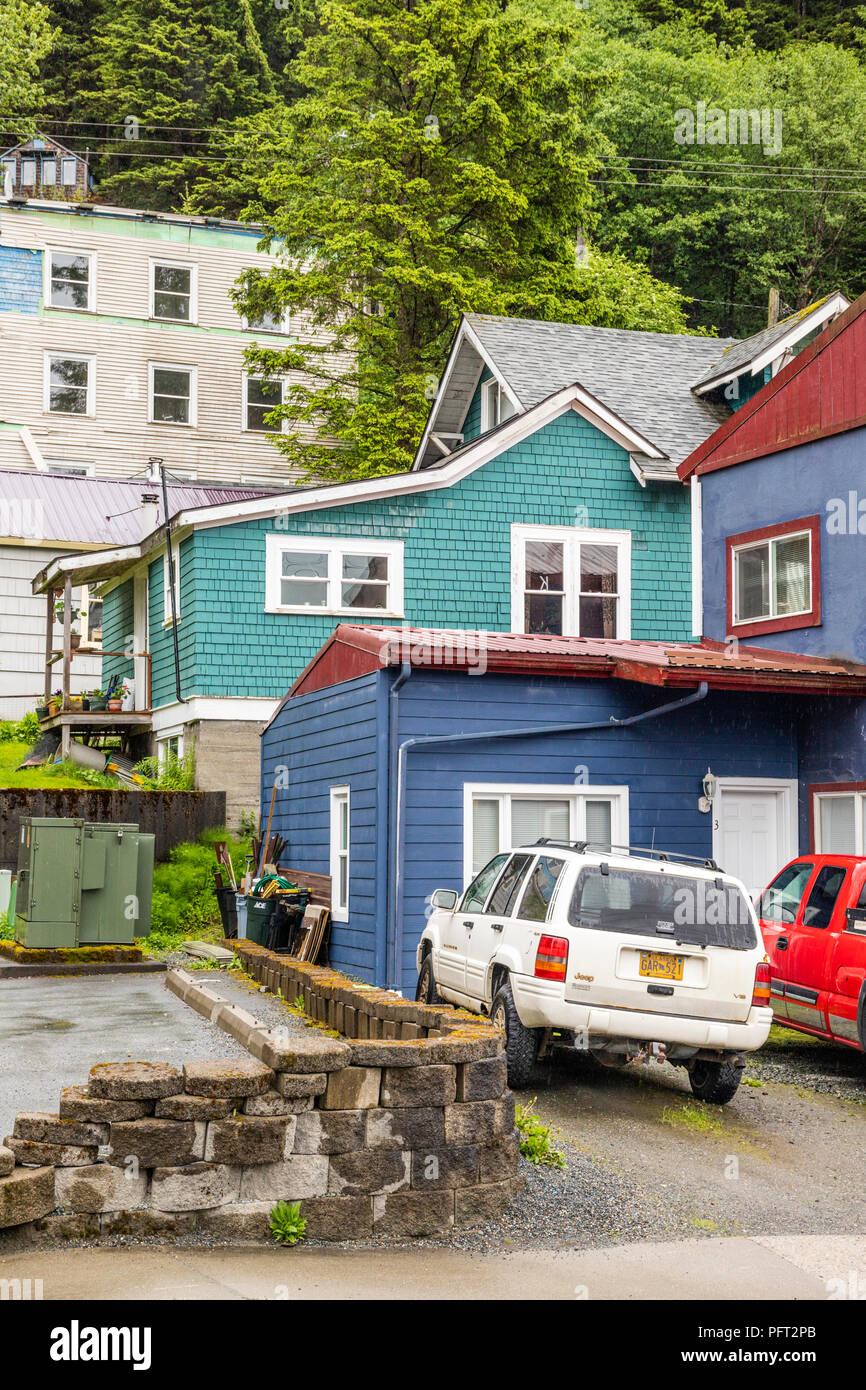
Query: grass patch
x=184, y=902
x=52, y=775
x=751, y=1081
x=692, y=1116
x=704, y=1225
x=535, y=1138
x=781, y=1037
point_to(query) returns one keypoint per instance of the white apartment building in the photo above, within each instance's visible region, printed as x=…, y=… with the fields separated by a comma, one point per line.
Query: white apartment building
x=119, y=342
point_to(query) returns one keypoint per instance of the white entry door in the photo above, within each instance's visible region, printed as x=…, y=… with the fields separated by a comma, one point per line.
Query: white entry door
x=754, y=828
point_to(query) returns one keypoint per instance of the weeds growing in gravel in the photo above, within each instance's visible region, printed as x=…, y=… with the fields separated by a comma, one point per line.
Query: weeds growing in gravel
x=692, y=1116
x=535, y=1138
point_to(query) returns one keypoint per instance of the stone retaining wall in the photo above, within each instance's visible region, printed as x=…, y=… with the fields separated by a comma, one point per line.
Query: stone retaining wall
x=373, y=1135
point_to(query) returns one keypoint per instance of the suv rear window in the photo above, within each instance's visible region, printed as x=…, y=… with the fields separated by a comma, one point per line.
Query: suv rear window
x=696, y=910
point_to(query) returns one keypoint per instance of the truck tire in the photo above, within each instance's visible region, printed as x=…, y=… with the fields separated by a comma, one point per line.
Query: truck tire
x=426, y=991
x=521, y=1044
x=716, y=1082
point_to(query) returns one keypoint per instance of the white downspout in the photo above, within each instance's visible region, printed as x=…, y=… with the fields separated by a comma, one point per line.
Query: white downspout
x=697, y=557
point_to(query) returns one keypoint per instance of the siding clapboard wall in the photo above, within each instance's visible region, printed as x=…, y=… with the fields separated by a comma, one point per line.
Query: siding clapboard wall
x=317, y=742
x=120, y=334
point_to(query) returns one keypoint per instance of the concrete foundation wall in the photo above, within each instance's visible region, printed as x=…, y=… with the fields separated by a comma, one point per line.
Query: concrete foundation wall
x=227, y=757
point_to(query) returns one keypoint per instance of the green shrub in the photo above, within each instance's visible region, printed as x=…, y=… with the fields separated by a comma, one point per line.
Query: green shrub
x=172, y=774
x=26, y=730
x=287, y=1224
x=184, y=903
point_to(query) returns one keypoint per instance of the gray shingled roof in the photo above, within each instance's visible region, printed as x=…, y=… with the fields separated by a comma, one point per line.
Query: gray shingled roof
x=741, y=353
x=646, y=378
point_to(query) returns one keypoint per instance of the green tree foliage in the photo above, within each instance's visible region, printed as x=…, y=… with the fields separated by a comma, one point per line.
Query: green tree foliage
x=438, y=162
x=770, y=23
x=69, y=72
x=729, y=221
x=186, y=71
x=25, y=37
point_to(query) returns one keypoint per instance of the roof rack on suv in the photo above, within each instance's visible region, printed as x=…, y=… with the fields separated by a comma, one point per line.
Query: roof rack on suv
x=639, y=851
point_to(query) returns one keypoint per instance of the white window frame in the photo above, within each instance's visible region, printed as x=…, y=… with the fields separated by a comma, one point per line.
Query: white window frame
x=271, y=429
x=284, y=330
x=74, y=468
x=339, y=797
x=91, y=279
x=847, y=794
x=65, y=162
x=492, y=395
x=28, y=159
x=335, y=547
x=192, y=267
x=84, y=600
x=166, y=590
x=571, y=537
x=576, y=796
x=90, y=359
x=770, y=542
x=192, y=423
x=166, y=737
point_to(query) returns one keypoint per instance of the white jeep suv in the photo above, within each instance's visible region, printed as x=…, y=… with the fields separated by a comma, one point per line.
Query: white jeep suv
x=623, y=953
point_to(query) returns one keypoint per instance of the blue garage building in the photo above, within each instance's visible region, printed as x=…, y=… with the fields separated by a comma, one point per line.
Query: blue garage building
x=404, y=759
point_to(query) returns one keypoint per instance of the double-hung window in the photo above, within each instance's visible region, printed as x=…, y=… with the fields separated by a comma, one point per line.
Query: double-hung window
x=91, y=620
x=268, y=322
x=498, y=816
x=172, y=394
x=839, y=818
x=340, y=827
x=496, y=405
x=173, y=291
x=570, y=581
x=261, y=396
x=69, y=386
x=70, y=279
x=309, y=574
x=774, y=578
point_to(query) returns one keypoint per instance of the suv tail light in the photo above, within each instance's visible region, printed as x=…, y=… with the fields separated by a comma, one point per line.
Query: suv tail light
x=761, y=992
x=552, y=958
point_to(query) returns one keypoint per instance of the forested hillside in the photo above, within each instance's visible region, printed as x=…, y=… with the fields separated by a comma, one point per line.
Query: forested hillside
x=559, y=160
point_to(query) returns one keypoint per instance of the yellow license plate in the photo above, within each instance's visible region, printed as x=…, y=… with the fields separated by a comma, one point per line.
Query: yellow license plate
x=658, y=966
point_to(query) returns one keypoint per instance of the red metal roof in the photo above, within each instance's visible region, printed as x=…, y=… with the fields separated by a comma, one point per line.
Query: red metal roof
x=355, y=651
x=821, y=392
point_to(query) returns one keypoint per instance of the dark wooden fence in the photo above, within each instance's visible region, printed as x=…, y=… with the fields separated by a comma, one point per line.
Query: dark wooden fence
x=173, y=817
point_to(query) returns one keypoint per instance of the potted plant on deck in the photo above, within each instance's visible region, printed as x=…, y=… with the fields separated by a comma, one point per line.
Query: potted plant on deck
x=98, y=699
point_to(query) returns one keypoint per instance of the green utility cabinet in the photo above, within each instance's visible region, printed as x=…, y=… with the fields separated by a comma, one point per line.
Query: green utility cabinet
x=81, y=883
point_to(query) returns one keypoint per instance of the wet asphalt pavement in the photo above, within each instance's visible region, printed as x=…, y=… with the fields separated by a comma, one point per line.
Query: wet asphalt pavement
x=53, y=1029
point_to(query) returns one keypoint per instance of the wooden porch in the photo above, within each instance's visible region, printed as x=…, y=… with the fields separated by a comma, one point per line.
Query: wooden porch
x=71, y=718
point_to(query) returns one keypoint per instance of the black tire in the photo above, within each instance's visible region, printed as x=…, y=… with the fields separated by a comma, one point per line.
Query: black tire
x=716, y=1082
x=521, y=1044
x=425, y=990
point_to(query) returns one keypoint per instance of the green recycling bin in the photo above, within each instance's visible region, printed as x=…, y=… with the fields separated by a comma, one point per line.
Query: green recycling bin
x=259, y=911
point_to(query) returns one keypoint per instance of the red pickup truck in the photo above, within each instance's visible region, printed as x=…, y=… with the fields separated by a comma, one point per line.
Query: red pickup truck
x=813, y=919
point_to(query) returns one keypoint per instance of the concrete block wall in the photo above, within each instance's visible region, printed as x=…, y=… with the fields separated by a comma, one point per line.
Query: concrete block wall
x=373, y=1135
